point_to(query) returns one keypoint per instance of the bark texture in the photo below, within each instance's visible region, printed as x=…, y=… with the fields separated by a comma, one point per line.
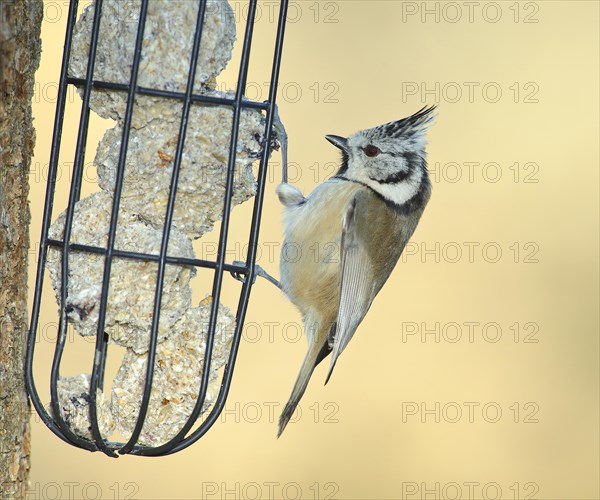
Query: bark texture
x=20, y=46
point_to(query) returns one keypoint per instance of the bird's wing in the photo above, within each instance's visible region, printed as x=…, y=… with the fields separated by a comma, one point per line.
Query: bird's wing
x=356, y=283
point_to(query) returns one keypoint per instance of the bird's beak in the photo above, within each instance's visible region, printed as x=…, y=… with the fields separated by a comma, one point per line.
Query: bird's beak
x=338, y=142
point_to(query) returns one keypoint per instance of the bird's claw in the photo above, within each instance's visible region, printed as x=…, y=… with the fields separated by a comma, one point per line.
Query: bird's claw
x=241, y=276
x=283, y=140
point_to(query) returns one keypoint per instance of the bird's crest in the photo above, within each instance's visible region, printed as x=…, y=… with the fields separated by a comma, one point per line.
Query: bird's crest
x=412, y=128
x=415, y=124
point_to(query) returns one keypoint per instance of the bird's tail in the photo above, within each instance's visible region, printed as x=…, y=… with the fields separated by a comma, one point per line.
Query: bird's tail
x=313, y=357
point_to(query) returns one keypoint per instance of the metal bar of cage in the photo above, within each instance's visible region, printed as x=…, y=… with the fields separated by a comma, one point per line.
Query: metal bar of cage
x=173, y=189
x=55, y=422
x=48, y=203
x=101, y=340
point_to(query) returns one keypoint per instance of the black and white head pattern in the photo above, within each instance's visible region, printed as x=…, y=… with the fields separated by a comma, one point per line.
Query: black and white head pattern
x=389, y=158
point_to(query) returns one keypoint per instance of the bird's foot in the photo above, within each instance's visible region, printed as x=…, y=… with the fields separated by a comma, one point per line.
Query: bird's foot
x=258, y=271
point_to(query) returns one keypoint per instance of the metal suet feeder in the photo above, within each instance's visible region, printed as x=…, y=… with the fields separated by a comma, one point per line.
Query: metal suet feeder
x=133, y=236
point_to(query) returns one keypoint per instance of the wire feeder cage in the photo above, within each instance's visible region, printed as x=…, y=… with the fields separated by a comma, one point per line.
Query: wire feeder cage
x=53, y=418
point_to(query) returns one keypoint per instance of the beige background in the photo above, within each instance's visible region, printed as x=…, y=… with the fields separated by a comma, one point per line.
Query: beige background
x=506, y=257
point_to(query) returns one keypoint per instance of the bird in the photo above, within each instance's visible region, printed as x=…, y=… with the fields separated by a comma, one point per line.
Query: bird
x=343, y=240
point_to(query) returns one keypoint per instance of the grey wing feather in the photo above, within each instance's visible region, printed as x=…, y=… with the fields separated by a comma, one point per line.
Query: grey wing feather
x=356, y=285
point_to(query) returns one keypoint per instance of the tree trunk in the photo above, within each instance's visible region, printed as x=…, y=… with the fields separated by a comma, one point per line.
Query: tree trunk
x=20, y=45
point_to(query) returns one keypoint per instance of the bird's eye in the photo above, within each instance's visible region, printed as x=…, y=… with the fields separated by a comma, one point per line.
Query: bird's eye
x=371, y=150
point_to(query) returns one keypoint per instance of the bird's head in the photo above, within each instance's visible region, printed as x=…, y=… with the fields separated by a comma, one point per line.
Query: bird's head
x=389, y=158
